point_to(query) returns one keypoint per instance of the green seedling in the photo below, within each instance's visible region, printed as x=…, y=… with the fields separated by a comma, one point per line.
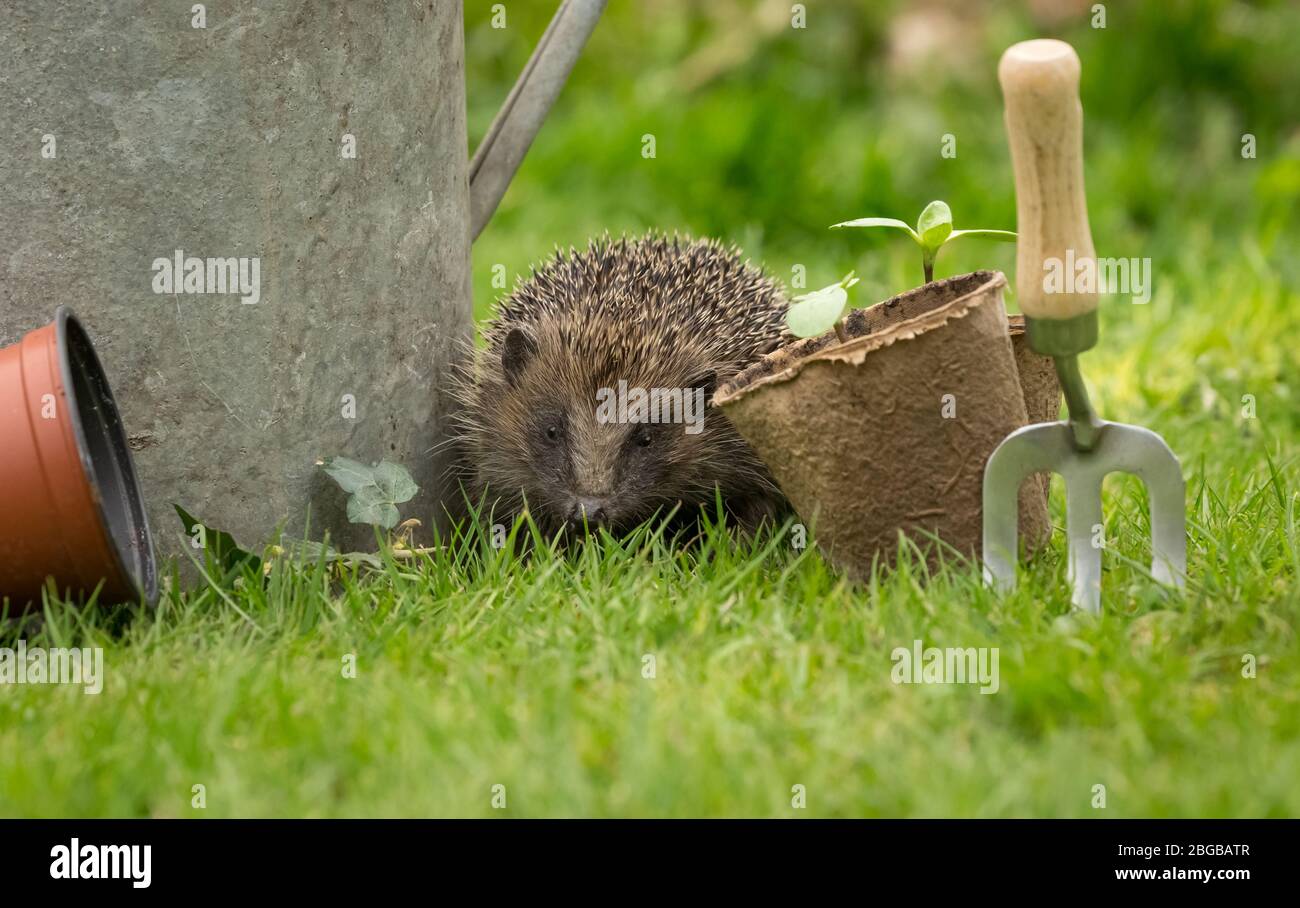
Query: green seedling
x=933, y=230
x=374, y=492
x=817, y=312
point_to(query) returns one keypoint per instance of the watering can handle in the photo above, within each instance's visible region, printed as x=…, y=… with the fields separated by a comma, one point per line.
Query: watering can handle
x=503, y=148
x=1044, y=119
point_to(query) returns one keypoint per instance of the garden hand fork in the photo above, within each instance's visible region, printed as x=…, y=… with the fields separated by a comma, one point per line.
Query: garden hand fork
x=1040, y=86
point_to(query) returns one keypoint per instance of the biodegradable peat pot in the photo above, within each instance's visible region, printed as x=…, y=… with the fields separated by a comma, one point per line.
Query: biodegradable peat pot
x=70, y=504
x=1042, y=392
x=1038, y=379
x=888, y=432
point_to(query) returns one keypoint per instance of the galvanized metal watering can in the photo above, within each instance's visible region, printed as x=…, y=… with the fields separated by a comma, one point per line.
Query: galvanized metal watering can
x=262, y=213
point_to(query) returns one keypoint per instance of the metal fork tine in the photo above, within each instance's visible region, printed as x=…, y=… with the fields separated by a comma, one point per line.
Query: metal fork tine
x=1082, y=514
x=1145, y=454
x=1031, y=449
x=1121, y=449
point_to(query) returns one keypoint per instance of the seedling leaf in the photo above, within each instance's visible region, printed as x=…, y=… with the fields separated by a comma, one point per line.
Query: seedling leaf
x=934, y=225
x=375, y=491
x=369, y=504
x=817, y=312
x=349, y=474
x=879, y=222
x=1003, y=236
x=933, y=230
x=395, y=482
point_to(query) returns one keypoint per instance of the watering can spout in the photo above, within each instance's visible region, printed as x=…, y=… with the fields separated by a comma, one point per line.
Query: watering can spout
x=512, y=132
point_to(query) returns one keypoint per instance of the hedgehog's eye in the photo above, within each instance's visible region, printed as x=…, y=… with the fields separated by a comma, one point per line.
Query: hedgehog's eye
x=643, y=438
x=551, y=429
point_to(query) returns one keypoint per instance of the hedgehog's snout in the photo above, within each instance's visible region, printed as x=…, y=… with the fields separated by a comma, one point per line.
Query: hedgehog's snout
x=592, y=512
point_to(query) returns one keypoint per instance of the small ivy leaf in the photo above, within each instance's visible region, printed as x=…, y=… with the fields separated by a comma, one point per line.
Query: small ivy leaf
x=879, y=222
x=219, y=544
x=395, y=482
x=1002, y=236
x=349, y=474
x=934, y=225
x=369, y=504
x=817, y=312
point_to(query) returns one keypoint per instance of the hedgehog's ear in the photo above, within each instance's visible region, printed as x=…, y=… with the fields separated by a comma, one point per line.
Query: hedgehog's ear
x=706, y=380
x=518, y=349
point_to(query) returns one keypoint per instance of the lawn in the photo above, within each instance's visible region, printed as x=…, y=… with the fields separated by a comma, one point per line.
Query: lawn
x=637, y=677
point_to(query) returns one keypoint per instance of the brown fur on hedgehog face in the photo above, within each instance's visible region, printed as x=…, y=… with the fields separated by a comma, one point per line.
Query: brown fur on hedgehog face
x=654, y=314
x=570, y=465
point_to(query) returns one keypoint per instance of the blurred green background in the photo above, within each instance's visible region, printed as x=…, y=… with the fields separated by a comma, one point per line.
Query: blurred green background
x=767, y=133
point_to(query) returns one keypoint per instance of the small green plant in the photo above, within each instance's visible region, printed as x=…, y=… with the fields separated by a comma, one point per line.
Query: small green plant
x=933, y=230
x=374, y=492
x=221, y=552
x=817, y=312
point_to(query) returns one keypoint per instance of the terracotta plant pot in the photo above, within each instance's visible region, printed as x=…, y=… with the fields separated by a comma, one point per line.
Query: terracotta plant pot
x=70, y=504
x=887, y=433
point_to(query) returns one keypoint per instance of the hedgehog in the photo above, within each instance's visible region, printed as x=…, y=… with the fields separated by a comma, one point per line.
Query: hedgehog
x=626, y=320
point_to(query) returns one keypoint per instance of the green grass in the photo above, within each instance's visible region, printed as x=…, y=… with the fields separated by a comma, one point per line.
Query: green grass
x=476, y=667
